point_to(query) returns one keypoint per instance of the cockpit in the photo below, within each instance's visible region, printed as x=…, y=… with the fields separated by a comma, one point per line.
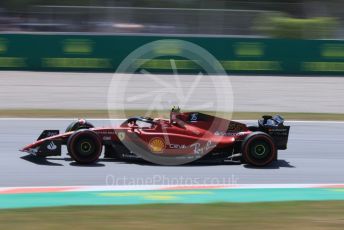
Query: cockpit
x=139, y=122
x=148, y=122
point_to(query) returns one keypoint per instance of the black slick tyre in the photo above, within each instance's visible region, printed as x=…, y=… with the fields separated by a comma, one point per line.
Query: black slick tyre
x=258, y=149
x=84, y=146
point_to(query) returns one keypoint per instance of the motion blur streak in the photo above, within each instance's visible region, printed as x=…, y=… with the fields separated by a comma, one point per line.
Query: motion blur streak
x=43, y=90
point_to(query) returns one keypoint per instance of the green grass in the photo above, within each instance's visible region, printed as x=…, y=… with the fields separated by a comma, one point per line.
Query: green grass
x=258, y=216
x=37, y=113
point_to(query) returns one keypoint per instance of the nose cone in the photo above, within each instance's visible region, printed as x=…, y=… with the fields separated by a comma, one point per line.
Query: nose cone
x=32, y=148
x=29, y=149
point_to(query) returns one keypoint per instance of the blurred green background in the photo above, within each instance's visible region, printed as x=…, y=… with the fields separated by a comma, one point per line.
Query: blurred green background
x=267, y=18
x=248, y=37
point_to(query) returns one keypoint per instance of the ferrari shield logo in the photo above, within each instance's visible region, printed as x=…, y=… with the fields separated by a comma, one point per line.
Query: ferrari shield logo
x=121, y=136
x=157, y=145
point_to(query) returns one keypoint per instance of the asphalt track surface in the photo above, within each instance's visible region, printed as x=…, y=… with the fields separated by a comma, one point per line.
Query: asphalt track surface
x=315, y=155
x=40, y=90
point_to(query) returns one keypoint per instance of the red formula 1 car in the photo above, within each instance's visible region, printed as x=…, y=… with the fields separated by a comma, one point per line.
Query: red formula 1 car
x=185, y=137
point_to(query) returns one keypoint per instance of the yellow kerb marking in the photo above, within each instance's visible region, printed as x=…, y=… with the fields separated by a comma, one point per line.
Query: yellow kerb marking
x=337, y=190
x=169, y=195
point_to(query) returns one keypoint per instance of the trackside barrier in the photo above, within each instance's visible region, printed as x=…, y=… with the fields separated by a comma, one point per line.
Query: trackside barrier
x=104, y=53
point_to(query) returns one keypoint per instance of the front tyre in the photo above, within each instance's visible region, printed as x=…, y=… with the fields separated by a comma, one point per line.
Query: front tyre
x=84, y=146
x=259, y=149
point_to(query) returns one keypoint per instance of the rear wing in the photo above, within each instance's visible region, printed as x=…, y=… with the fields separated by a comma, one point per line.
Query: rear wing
x=274, y=126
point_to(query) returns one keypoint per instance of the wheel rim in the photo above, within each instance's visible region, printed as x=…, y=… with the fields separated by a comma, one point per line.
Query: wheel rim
x=86, y=147
x=260, y=149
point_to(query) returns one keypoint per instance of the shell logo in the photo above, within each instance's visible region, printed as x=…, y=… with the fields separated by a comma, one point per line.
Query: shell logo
x=157, y=145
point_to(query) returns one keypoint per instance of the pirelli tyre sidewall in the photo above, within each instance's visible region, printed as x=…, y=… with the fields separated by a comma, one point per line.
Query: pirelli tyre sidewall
x=84, y=146
x=259, y=149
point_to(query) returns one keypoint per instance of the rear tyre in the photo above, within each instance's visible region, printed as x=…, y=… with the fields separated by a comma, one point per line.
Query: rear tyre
x=84, y=146
x=259, y=149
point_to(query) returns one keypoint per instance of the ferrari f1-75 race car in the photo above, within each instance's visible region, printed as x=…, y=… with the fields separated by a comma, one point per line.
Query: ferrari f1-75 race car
x=185, y=137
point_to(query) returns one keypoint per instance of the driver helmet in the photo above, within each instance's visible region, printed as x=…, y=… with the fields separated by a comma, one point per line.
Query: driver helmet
x=174, y=112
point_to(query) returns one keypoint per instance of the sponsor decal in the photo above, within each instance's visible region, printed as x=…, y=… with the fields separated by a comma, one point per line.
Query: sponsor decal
x=234, y=126
x=220, y=133
x=198, y=149
x=194, y=117
x=226, y=134
x=106, y=132
x=51, y=146
x=278, y=132
x=177, y=146
x=107, y=138
x=121, y=135
x=157, y=145
x=33, y=150
x=52, y=133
